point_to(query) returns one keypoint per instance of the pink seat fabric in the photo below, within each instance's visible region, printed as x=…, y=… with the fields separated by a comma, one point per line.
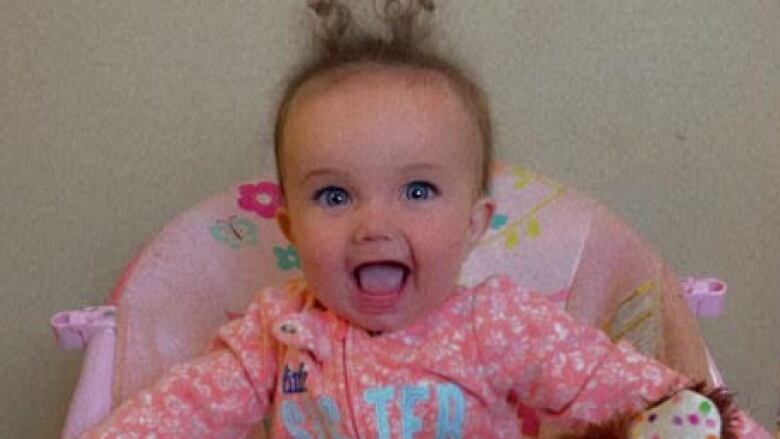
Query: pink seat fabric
x=203, y=267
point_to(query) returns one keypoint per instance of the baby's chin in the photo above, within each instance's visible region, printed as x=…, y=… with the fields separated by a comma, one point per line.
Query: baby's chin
x=385, y=323
x=379, y=324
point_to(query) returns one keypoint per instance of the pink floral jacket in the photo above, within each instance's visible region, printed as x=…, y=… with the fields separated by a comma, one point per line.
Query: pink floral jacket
x=459, y=372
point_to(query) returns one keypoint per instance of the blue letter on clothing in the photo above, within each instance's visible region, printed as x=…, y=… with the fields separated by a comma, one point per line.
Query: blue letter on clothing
x=380, y=398
x=332, y=416
x=409, y=396
x=449, y=425
x=293, y=418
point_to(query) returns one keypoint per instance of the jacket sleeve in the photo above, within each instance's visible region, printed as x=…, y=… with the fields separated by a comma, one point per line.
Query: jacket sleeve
x=222, y=394
x=566, y=370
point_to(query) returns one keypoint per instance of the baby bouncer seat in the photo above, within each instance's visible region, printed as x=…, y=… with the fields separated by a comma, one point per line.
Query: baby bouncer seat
x=202, y=269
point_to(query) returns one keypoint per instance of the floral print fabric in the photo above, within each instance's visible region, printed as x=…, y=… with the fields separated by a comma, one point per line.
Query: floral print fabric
x=458, y=372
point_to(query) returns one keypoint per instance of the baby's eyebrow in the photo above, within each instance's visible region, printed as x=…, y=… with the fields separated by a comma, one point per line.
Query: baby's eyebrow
x=316, y=172
x=425, y=166
x=332, y=172
x=423, y=170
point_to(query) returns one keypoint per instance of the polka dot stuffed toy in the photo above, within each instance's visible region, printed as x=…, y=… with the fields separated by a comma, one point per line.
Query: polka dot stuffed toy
x=689, y=414
x=686, y=415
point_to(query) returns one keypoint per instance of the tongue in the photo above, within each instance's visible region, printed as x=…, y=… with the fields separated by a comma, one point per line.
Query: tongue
x=380, y=278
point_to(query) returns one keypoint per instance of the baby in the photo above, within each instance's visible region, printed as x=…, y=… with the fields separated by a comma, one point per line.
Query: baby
x=383, y=155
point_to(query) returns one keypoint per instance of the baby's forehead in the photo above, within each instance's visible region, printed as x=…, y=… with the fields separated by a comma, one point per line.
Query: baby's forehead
x=369, y=100
x=419, y=95
x=362, y=76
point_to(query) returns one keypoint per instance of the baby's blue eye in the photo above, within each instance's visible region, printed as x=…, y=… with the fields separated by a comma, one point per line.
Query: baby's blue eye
x=420, y=190
x=332, y=196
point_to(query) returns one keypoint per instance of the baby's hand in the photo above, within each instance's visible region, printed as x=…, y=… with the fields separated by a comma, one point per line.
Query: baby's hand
x=689, y=414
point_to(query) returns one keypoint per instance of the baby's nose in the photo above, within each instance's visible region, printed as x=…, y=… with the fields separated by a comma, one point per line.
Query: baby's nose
x=374, y=224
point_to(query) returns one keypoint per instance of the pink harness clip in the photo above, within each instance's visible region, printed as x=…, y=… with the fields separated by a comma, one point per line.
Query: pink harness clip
x=705, y=296
x=75, y=328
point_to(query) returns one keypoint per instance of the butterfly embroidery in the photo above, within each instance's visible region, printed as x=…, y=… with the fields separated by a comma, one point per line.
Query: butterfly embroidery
x=235, y=231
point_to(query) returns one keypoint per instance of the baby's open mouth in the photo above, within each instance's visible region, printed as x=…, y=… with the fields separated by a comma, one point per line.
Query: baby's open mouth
x=381, y=278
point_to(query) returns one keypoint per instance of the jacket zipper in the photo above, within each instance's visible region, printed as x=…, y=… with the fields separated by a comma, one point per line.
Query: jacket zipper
x=346, y=383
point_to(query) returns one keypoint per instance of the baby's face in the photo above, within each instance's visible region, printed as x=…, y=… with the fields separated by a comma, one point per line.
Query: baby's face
x=381, y=180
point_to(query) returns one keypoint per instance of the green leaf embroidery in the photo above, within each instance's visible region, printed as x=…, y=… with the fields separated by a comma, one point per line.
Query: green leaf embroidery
x=532, y=228
x=512, y=239
x=522, y=178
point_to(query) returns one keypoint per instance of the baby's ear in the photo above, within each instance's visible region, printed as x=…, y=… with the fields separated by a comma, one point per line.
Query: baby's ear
x=481, y=216
x=283, y=219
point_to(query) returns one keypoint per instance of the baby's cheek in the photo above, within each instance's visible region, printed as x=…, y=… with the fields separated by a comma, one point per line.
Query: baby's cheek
x=442, y=248
x=317, y=260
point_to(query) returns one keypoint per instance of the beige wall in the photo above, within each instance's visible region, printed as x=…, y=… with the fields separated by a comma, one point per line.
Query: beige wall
x=114, y=116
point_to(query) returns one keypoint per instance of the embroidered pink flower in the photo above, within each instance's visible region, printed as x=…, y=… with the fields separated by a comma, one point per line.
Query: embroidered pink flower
x=263, y=198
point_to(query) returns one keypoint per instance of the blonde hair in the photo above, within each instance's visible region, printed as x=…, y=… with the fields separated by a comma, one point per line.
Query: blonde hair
x=340, y=47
